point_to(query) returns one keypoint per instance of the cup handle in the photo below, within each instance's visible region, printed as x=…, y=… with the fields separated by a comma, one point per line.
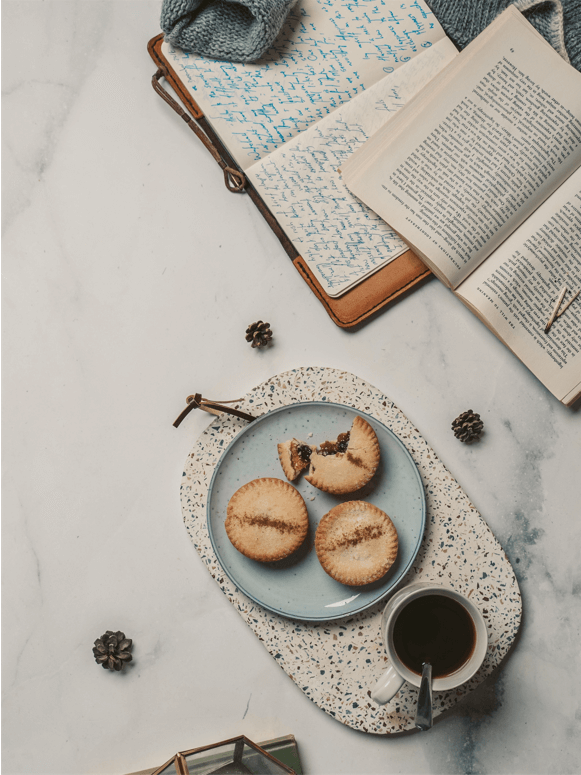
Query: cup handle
x=388, y=686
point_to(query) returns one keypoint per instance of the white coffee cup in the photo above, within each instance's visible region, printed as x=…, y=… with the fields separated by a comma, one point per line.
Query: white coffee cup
x=397, y=673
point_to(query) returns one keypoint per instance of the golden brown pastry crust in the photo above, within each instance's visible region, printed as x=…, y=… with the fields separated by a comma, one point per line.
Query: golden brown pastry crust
x=290, y=460
x=267, y=519
x=356, y=543
x=347, y=471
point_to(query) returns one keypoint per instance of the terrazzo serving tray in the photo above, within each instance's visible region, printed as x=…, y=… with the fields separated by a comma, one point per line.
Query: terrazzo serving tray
x=335, y=662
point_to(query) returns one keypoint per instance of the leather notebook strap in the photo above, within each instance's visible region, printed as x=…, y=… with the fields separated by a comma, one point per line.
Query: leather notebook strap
x=234, y=179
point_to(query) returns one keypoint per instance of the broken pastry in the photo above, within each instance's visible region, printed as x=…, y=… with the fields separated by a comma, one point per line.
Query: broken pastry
x=338, y=467
x=294, y=456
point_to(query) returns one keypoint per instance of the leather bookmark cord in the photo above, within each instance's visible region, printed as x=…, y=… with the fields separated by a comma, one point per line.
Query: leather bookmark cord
x=197, y=402
x=234, y=179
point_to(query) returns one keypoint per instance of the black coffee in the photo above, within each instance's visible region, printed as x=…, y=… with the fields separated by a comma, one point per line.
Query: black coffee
x=434, y=629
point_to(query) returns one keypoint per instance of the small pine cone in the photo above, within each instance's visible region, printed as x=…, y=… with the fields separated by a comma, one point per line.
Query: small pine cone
x=259, y=334
x=468, y=426
x=112, y=650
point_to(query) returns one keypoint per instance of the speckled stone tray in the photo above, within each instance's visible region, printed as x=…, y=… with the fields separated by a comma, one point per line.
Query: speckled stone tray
x=336, y=663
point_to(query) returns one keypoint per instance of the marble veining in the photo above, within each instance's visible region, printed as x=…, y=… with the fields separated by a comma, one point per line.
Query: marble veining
x=129, y=277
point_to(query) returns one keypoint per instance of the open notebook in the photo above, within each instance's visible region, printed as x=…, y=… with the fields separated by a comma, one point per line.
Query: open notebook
x=336, y=74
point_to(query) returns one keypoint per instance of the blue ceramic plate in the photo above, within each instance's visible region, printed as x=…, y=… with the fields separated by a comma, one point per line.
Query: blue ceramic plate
x=298, y=587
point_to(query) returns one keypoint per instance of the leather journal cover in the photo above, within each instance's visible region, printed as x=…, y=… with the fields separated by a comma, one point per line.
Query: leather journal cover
x=356, y=304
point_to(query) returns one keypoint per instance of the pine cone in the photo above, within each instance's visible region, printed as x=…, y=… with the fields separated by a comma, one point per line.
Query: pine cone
x=259, y=334
x=468, y=426
x=112, y=650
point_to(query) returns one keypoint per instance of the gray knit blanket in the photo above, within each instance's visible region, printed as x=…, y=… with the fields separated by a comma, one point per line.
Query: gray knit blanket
x=235, y=30
x=558, y=21
x=243, y=30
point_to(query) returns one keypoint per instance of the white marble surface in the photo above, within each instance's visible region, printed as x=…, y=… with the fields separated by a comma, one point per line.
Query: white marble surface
x=129, y=276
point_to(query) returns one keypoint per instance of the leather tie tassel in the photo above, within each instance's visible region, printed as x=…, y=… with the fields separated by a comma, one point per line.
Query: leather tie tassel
x=234, y=180
x=213, y=407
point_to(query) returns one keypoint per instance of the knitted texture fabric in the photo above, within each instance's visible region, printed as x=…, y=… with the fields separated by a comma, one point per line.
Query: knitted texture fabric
x=558, y=21
x=237, y=31
x=243, y=30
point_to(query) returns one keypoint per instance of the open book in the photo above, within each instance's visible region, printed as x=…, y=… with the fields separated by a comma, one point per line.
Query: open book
x=337, y=73
x=480, y=174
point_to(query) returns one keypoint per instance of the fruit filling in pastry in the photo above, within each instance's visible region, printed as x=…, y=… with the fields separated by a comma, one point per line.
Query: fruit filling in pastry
x=340, y=466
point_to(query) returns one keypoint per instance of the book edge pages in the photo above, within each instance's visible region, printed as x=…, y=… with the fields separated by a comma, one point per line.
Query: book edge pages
x=567, y=398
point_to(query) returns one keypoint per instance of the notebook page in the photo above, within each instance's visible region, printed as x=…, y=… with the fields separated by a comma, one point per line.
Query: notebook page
x=342, y=240
x=328, y=52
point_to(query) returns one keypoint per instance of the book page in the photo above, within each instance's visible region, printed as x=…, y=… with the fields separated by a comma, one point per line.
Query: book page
x=340, y=238
x=515, y=290
x=326, y=53
x=480, y=149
